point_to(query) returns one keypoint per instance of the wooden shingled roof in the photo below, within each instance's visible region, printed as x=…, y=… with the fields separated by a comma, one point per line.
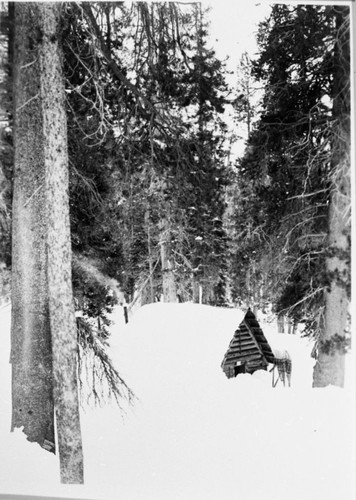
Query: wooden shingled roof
x=248, y=350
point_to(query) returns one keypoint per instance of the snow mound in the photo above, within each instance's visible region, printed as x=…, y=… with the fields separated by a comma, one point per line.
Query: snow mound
x=192, y=433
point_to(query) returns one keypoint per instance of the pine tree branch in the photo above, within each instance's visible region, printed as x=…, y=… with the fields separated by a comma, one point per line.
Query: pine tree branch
x=141, y=99
x=27, y=102
x=304, y=299
x=303, y=195
x=103, y=379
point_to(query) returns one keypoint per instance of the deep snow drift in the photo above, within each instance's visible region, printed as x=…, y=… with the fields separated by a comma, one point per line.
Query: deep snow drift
x=192, y=433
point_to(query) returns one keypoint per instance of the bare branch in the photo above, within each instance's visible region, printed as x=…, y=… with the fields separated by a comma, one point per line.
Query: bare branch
x=107, y=54
x=99, y=369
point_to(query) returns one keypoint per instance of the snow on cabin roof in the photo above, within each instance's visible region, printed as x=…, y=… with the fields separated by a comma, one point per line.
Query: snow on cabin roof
x=248, y=350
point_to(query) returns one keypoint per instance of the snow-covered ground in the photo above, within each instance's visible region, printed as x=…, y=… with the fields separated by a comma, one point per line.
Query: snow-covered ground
x=193, y=434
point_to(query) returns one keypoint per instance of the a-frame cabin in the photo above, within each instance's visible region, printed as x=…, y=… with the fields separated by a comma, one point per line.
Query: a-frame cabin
x=248, y=350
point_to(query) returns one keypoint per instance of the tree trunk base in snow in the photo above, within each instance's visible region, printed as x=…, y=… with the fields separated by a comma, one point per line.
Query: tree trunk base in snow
x=329, y=370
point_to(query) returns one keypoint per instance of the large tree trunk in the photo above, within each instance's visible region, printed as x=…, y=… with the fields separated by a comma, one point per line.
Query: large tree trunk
x=31, y=353
x=329, y=368
x=44, y=337
x=61, y=304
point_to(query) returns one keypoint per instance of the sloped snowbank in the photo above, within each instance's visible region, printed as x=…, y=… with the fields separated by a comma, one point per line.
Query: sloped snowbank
x=194, y=434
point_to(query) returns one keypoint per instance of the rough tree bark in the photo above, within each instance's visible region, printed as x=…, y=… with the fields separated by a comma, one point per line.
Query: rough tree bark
x=31, y=353
x=61, y=304
x=44, y=336
x=332, y=345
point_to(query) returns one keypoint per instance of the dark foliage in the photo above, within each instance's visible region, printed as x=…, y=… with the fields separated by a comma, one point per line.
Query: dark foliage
x=285, y=175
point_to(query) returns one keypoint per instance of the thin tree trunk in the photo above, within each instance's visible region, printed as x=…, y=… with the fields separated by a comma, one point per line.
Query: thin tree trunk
x=248, y=285
x=150, y=259
x=168, y=279
x=61, y=304
x=31, y=353
x=195, y=289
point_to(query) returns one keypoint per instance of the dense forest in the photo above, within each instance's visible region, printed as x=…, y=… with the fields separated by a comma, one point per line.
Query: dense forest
x=118, y=184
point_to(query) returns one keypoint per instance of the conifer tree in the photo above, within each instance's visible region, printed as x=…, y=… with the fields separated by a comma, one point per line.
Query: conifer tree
x=288, y=169
x=157, y=176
